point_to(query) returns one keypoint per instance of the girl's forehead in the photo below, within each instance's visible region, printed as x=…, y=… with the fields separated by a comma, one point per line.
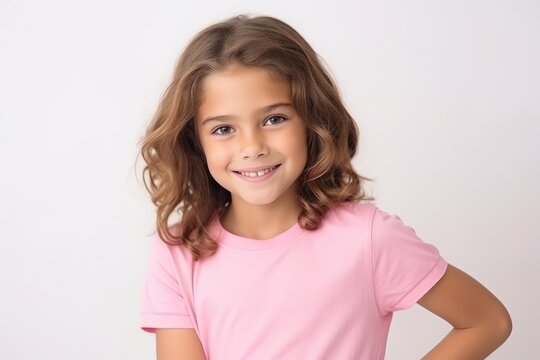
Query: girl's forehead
x=238, y=88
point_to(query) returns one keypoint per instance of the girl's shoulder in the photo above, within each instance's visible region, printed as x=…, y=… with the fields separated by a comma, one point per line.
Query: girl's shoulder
x=362, y=213
x=355, y=208
x=362, y=208
x=164, y=248
x=349, y=213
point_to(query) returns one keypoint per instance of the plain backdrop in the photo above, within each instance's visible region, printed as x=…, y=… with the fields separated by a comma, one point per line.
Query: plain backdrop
x=446, y=95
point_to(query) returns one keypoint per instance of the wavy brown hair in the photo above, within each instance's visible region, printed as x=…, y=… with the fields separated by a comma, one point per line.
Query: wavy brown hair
x=176, y=175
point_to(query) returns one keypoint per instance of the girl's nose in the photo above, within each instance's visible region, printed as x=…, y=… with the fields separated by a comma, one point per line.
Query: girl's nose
x=253, y=146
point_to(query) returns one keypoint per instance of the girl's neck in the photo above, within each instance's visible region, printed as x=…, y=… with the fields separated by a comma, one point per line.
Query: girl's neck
x=260, y=222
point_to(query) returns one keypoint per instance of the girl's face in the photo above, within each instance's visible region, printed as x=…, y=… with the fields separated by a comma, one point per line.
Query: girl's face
x=252, y=137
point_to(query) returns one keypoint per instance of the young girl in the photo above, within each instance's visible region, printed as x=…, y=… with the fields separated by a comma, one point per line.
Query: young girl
x=278, y=254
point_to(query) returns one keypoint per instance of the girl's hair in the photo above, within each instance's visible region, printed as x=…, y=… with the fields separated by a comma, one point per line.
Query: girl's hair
x=175, y=163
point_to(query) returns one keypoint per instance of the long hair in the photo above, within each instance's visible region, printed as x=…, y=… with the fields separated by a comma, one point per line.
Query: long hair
x=176, y=175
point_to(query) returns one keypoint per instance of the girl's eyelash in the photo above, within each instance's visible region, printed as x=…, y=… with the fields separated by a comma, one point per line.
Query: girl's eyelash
x=215, y=131
x=276, y=116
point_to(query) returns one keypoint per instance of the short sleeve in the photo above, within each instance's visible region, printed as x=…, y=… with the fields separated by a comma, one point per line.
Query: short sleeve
x=162, y=302
x=404, y=266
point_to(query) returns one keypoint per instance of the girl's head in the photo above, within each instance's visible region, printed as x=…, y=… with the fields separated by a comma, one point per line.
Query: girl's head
x=254, y=142
x=248, y=92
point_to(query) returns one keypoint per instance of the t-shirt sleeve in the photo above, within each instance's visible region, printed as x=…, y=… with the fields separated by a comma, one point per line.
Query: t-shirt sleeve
x=405, y=268
x=162, y=303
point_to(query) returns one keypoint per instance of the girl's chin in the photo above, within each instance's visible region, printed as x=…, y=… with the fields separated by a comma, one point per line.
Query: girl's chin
x=254, y=202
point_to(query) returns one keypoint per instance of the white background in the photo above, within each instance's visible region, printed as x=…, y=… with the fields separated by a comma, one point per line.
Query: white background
x=446, y=94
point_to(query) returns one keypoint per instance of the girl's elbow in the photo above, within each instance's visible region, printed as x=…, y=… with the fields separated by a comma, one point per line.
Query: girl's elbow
x=506, y=326
x=501, y=325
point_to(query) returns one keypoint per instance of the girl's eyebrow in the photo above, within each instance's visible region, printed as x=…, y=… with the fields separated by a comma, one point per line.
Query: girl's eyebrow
x=260, y=111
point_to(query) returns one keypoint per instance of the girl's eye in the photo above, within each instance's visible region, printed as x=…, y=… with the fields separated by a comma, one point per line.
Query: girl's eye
x=275, y=119
x=222, y=130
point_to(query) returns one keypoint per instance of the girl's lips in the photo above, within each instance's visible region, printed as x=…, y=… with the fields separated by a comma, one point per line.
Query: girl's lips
x=258, y=171
x=258, y=178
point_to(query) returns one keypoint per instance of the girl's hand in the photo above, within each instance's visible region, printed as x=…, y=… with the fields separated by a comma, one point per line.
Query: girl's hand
x=481, y=322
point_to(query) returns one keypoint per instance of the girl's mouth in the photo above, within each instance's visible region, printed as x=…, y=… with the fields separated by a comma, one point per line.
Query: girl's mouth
x=257, y=173
x=260, y=175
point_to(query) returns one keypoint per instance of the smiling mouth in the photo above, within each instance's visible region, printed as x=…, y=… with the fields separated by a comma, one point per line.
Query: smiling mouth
x=257, y=173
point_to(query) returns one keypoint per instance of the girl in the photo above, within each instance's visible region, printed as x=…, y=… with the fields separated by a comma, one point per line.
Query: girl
x=278, y=254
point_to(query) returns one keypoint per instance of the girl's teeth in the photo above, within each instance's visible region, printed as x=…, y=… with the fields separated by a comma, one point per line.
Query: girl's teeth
x=258, y=173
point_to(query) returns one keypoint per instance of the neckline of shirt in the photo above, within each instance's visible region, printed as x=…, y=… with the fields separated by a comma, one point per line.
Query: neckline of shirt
x=229, y=239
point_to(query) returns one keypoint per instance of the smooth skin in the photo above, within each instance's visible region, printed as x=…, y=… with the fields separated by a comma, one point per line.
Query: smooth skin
x=178, y=344
x=246, y=120
x=480, y=321
x=242, y=139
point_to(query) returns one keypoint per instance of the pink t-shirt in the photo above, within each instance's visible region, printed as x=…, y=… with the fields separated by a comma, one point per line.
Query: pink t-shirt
x=324, y=294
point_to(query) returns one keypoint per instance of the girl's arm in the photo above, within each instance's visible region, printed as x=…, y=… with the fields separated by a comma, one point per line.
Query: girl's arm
x=481, y=322
x=178, y=344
